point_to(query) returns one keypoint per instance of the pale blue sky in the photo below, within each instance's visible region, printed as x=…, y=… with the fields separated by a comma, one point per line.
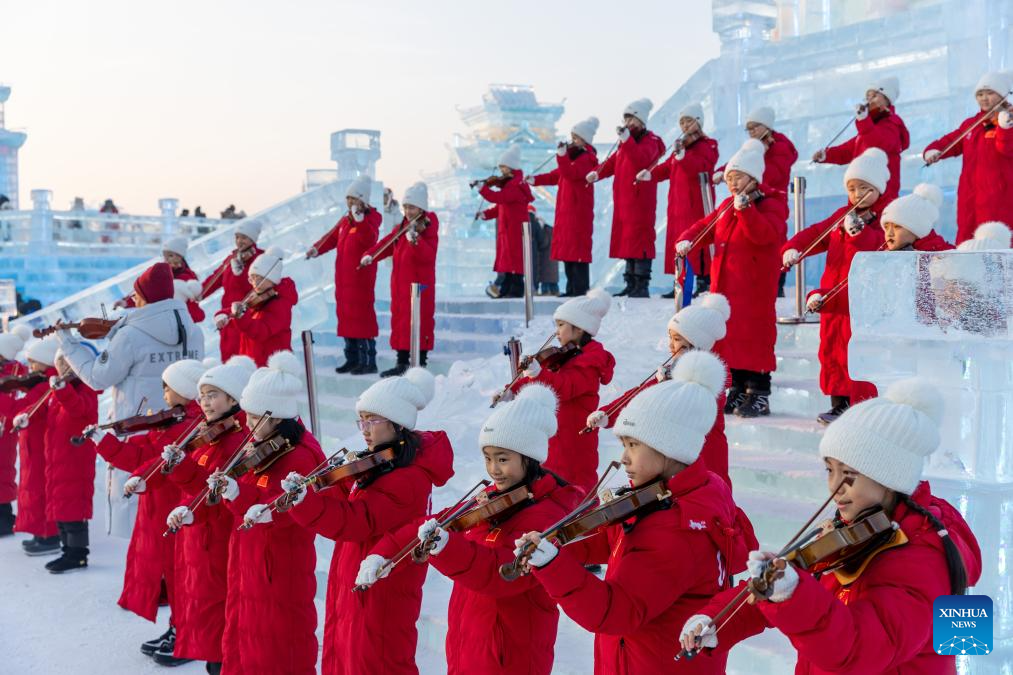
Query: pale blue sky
x=218, y=101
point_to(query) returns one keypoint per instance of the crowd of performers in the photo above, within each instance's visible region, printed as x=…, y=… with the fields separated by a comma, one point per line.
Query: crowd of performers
x=233, y=489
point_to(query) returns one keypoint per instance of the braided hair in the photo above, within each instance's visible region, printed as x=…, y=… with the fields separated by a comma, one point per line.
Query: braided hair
x=954, y=561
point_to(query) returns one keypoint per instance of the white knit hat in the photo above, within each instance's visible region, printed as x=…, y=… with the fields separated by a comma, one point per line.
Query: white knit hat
x=44, y=350
x=763, y=115
x=585, y=312
x=749, y=159
x=186, y=290
x=871, y=167
x=276, y=388
x=249, y=227
x=999, y=82
x=916, y=212
x=399, y=399
x=13, y=342
x=888, y=86
x=230, y=377
x=361, y=188
x=641, y=109
x=417, y=195
x=674, y=416
x=182, y=376
x=703, y=322
x=177, y=245
x=694, y=110
x=990, y=236
x=888, y=438
x=511, y=158
x=524, y=424
x=586, y=129
x=269, y=264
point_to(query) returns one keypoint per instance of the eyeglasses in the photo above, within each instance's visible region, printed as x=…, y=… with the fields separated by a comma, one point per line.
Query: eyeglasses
x=369, y=423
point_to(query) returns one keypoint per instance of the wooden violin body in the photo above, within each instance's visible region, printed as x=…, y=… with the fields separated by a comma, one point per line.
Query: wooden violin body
x=354, y=467
x=552, y=358
x=843, y=544
x=497, y=181
x=89, y=328
x=22, y=382
x=260, y=455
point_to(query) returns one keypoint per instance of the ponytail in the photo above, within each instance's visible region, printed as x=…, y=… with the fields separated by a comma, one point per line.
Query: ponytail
x=954, y=561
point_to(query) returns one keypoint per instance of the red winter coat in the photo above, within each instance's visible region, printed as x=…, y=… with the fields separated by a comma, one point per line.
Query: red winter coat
x=267, y=329
x=354, y=288
x=884, y=130
x=413, y=263
x=778, y=159
x=573, y=226
x=574, y=455
x=634, y=203
x=510, y=209
x=32, y=510
x=375, y=632
x=202, y=554
x=835, y=316
x=271, y=616
x=932, y=242
x=70, y=469
x=662, y=567
x=881, y=620
x=685, y=201
x=150, y=556
x=987, y=175
x=747, y=263
x=235, y=286
x=8, y=437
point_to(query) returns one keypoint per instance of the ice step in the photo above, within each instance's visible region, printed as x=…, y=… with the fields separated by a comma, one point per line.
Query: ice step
x=790, y=475
x=777, y=433
x=797, y=364
x=797, y=396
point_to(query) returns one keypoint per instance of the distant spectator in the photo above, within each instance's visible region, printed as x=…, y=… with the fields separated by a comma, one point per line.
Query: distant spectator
x=230, y=213
x=77, y=206
x=185, y=213
x=109, y=207
x=5, y=203
x=199, y=213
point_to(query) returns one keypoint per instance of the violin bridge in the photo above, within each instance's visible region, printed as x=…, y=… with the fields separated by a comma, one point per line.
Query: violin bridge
x=667, y=494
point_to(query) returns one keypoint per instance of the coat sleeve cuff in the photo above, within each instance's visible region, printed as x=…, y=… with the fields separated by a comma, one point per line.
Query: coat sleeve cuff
x=562, y=576
x=804, y=609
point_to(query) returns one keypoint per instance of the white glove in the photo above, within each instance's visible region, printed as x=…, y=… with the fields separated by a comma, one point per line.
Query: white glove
x=599, y=419
x=530, y=180
x=412, y=236
x=237, y=267
x=708, y=637
x=431, y=530
x=258, y=513
x=369, y=569
x=56, y=383
x=819, y=155
x=680, y=154
x=533, y=369
x=682, y=247
x=643, y=175
x=662, y=373
x=358, y=215
x=20, y=421
x=932, y=156
x=853, y=224
x=172, y=455
x=718, y=177
x=623, y=133
x=591, y=177
x=312, y=253
x=366, y=260
x=783, y=586
x=861, y=111
x=791, y=257
x=1005, y=119
x=135, y=485
x=541, y=556
x=229, y=489
x=741, y=201
x=220, y=321
x=560, y=150
x=178, y=517
x=293, y=484
x=813, y=303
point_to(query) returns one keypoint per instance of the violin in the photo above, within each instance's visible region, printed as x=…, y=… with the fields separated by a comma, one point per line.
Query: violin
x=90, y=328
x=208, y=433
x=257, y=298
x=283, y=502
x=354, y=467
x=22, y=382
x=687, y=140
x=552, y=358
x=497, y=181
x=258, y=454
x=137, y=423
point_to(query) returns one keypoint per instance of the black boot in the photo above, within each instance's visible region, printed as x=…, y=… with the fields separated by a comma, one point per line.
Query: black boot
x=213, y=667
x=367, y=357
x=642, y=279
x=166, y=640
x=703, y=285
x=629, y=278
x=6, y=520
x=41, y=546
x=736, y=396
x=671, y=294
x=423, y=358
x=403, y=357
x=838, y=404
x=164, y=657
x=514, y=286
x=74, y=538
x=351, y=356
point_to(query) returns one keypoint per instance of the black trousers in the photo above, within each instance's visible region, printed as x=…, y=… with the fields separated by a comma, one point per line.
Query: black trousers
x=578, y=277
x=74, y=536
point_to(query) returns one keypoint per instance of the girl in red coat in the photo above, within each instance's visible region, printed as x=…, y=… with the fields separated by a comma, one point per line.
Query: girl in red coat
x=265, y=327
x=375, y=632
x=354, y=285
x=573, y=229
x=31, y=518
x=907, y=221
x=874, y=615
x=859, y=230
x=70, y=469
x=674, y=554
x=495, y=626
x=693, y=153
x=271, y=621
x=697, y=326
x=747, y=239
x=878, y=126
x=202, y=549
x=414, y=255
x=10, y=345
x=573, y=455
x=987, y=151
x=233, y=278
x=634, y=202
x=509, y=207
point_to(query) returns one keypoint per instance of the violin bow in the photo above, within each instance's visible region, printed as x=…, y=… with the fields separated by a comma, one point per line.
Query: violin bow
x=279, y=501
x=984, y=116
x=256, y=290
x=826, y=232
x=601, y=164
x=407, y=226
x=628, y=396
x=520, y=373
x=837, y=288
x=655, y=163
x=714, y=221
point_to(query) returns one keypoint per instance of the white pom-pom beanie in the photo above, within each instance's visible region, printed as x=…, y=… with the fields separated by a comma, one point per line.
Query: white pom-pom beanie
x=703, y=322
x=585, y=312
x=990, y=236
x=13, y=342
x=182, y=377
x=361, y=188
x=749, y=160
x=999, y=82
x=230, y=377
x=511, y=158
x=888, y=86
x=888, y=438
x=399, y=399
x=276, y=388
x=44, y=350
x=871, y=167
x=269, y=264
x=641, y=109
x=763, y=115
x=674, y=416
x=916, y=212
x=177, y=245
x=586, y=129
x=694, y=110
x=523, y=425
x=249, y=227
x=417, y=195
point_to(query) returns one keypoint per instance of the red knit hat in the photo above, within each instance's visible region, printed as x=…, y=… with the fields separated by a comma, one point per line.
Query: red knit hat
x=155, y=283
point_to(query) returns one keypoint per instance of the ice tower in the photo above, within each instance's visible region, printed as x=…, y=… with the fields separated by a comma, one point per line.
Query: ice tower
x=10, y=143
